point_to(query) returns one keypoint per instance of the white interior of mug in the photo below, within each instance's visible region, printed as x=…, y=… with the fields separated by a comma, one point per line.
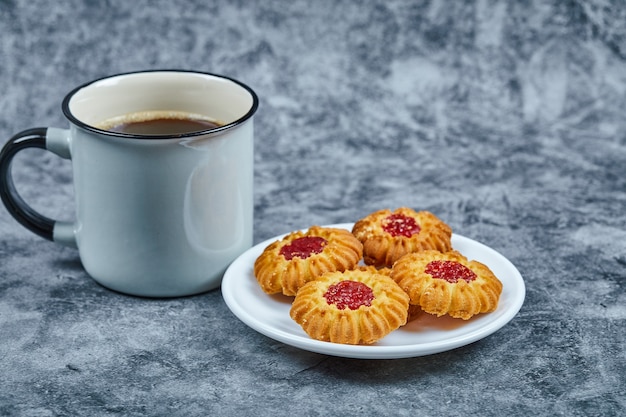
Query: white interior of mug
x=221, y=99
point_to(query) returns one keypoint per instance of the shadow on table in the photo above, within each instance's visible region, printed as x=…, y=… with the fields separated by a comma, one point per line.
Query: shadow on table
x=382, y=371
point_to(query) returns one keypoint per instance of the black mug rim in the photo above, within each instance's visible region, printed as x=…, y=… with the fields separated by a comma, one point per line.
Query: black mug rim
x=74, y=120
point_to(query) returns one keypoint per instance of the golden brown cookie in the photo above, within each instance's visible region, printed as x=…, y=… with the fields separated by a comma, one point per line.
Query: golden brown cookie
x=351, y=307
x=447, y=283
x=387, y=236
x=289, y=263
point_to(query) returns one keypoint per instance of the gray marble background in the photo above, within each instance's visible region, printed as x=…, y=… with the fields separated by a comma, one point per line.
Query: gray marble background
x=506, y=119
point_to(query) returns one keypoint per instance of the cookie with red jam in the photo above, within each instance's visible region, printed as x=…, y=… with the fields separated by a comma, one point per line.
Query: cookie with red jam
x=387, y=235
x=352, y=307
x=447, y=283
x=289, y=263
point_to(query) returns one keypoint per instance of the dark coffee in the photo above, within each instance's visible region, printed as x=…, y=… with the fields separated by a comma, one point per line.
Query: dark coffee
x=157, y=123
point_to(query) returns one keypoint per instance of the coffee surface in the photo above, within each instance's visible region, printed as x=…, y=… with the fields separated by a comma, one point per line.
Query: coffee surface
x=157, y=123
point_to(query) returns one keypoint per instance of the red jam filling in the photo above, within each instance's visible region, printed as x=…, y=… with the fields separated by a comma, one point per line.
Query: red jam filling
x=450, y=271
x=351, y=294
x=303, y=247
x=400, y=225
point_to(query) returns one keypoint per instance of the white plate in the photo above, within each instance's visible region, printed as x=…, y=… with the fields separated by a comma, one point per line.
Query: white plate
x=269, y=314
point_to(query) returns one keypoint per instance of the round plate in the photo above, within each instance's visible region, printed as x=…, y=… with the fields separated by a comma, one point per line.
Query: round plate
x=427, y=334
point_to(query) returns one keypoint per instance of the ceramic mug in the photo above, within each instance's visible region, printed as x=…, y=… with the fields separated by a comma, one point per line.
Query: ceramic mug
x=156, y=216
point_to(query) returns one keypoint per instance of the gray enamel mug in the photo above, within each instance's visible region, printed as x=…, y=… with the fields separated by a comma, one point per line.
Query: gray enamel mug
x=158, y=214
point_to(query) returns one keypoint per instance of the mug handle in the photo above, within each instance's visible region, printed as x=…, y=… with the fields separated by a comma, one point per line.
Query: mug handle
x=56, y=141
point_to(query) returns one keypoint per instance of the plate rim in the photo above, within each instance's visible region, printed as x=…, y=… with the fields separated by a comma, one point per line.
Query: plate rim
x=367, y=351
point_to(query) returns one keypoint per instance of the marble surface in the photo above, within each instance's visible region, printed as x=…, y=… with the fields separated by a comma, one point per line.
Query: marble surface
x=505, y=119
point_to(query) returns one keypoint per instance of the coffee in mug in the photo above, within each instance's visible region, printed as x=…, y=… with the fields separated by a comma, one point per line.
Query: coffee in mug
x=159, y=123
